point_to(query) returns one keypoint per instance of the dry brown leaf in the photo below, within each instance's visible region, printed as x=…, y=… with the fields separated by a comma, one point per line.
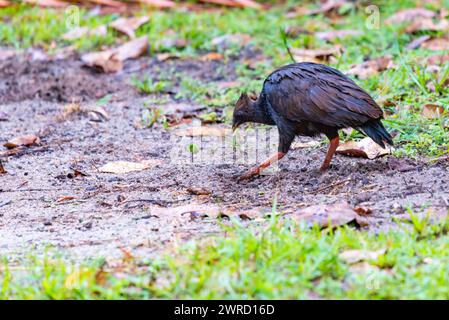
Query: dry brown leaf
x=126, y=166
x=355, y=256
x=436, y=44
x=236, y=3
x=427, y=25
x=365, y=148
x=432, y=111
x=65, y=198
x=315, y=55
x=47, y=3
x=248, y=4
x=80, y=32
x=371, y=67
x=438, y=59
x=112, y=60
x=363, y=211
x=326, y=7
x=212, y=56
x=127, y=26
x=409, y=15
x=324, y=215
x=204, y=131
x=27, y=140
x=109, y=3
x=199, y=191
x=2, y=169
x=166, y=56
x=335, y=34
x=161, y=4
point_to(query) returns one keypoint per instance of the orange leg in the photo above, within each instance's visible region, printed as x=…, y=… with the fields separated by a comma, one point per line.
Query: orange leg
x=256, y=170
x=330, y=153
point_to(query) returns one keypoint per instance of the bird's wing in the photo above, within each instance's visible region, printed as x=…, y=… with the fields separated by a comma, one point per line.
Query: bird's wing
x=319, y=94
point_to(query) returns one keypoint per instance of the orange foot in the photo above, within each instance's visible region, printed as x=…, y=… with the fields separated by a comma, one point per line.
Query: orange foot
x=249, y=174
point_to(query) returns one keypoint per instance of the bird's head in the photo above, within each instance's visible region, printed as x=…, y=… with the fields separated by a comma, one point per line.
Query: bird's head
x=244, y=110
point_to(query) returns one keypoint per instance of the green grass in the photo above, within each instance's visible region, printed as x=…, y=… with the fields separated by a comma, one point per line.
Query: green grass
x=275, y=261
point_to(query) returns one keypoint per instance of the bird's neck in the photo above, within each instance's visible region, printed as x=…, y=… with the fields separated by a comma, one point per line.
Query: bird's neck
x=260, y=112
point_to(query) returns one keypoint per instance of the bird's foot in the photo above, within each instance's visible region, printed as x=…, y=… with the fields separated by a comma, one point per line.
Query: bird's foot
x=249, y=174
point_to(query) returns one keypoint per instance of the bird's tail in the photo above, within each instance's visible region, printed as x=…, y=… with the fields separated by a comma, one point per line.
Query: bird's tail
x=376, y=131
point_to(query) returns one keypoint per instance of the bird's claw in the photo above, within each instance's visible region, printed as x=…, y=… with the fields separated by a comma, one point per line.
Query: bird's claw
x=249, y=174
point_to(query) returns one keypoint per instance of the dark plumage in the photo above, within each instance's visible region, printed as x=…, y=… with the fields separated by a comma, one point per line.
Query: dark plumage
x=311, y=99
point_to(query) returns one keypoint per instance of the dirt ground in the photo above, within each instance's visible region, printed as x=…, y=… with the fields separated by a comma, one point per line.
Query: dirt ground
x=113, y=211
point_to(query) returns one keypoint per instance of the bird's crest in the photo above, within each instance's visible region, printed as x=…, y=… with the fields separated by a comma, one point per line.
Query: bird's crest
x=245, y=100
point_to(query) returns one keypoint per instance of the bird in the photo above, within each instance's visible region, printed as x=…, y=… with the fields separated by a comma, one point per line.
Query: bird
x=309, y=99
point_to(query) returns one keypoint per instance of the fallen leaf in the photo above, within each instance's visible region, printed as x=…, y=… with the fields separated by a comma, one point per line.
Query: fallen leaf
x=326, y=7
x=336, y=34
x=409, y=15
x=65, y=198
x=438, y=59
x=355, y=256
x=166, y=56
x=127, y=26
x=98, y=110
x=212, y=56
x=80, y=32
x=27, y=140
x=161, y=4
x=204, y=131
x=2, y=169
x=324, y=215
x=112, y=60
x=235, y=3
x=371, y=67
x=198, y=191
x=427, y=25
x=432, y=111
x=109, y=3
x=303, y=145
x=365, y=148
x=315, y=55
x=436, y=44
x=47, y=3
x=248, y=4
x=126, y=166
x=363, y=211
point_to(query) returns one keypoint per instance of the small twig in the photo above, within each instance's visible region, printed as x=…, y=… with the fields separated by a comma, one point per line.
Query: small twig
x=5, y=203
x=27, y=190
x=155, y=201
x=331, y=186
x=442, y=158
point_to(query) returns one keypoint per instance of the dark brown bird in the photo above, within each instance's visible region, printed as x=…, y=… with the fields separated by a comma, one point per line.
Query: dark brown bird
x=309, y=99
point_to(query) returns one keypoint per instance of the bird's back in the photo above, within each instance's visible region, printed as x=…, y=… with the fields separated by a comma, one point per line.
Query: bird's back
x=318, y=93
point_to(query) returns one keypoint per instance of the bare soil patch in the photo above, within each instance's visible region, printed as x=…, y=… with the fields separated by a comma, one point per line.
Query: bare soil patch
x=44, y=200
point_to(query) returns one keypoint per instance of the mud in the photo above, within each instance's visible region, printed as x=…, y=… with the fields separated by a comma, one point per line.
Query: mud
x=107, y=212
